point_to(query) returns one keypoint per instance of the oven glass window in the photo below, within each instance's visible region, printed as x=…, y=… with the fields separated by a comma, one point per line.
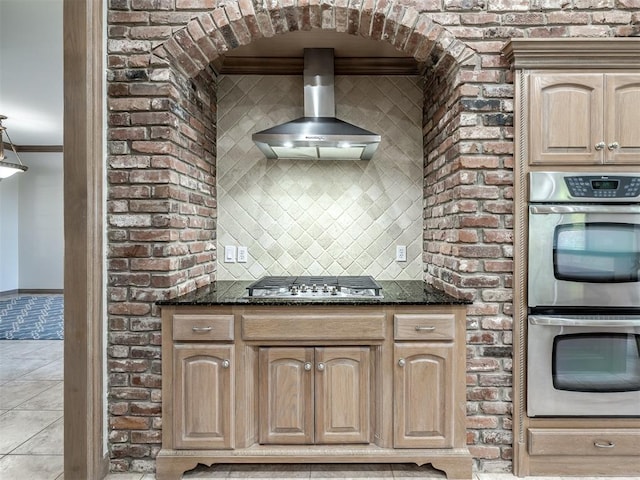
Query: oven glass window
x=597, y=252
x=596, y=362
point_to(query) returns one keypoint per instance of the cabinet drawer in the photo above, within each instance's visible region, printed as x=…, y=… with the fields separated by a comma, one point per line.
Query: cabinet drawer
x=313, y=327
x=202, y=327
x=577, y=441
x=423, y=326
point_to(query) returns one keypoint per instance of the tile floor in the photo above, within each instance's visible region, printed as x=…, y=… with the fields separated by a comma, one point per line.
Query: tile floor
x=31, y=410
x=31, y=430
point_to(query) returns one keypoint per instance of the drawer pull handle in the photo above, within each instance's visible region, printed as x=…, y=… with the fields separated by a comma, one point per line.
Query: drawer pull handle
x=320, y=367
x=226, y=363
x=604, y=444
x=201, y=329
x=612, y=146
x=402, y=362
x=599, y=146
x=425, y=329
x=307, y=366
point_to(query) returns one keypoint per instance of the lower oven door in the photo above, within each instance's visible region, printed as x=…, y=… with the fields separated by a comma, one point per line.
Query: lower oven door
x=583, y=366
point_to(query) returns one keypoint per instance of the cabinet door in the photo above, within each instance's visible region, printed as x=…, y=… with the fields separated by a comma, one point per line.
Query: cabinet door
x=423, y=395
x=566, y=119
x=622, y=121
x=203, y=415
x=343, y=396
x=286, y=395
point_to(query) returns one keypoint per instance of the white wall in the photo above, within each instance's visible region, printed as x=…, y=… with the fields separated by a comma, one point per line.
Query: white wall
x=31, y=225
x=41, y=229
x=9, y=233
x=31, y=96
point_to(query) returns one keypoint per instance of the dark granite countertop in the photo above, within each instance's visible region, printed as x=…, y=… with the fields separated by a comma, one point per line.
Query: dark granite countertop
x=407, y=292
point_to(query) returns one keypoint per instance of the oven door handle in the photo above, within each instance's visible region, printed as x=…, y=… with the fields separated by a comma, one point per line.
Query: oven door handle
x=546, y=209
x=582, y=322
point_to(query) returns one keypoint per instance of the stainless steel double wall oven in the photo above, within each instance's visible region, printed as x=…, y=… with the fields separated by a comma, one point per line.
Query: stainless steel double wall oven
x=584, y=294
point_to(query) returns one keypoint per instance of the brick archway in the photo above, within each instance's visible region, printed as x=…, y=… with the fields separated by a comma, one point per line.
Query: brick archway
x=184, y=149
x=208, y=36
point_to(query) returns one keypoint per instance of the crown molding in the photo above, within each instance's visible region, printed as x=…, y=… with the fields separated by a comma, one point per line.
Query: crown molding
x=342, y=66
x=35, y=148
x=573, y=53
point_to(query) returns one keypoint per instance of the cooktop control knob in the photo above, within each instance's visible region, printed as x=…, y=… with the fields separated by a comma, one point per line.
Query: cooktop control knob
x=303, y=288
x=294, y=290
x=325, y=288
x=334, y=290
x=314, y=288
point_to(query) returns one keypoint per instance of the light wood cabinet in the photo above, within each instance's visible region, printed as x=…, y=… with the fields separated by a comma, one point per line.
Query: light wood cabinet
x=570, y=95
x=286, y=394
x=343, y=395
x=289, y=384
x=203, y=396
x=584, y=441
x=203, y=393
x=584, y=118
x=424, y=386
x=314, y=395
x=422, y=391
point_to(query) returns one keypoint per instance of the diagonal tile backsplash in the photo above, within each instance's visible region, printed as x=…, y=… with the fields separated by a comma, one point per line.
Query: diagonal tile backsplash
x=320, y=217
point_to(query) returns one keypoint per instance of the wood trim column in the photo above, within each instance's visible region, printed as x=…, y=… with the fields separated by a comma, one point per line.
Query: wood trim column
x=84, y=450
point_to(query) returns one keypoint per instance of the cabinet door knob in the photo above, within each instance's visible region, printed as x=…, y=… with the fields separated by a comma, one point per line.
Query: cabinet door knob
x=613, y=145
x=599, y=146
x=320, y=367
x=604, y=444
x=307, y=366
x=401, y=362
x=226, y=363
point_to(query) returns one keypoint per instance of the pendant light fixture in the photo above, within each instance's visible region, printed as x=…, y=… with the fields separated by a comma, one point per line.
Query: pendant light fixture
x=8, y=168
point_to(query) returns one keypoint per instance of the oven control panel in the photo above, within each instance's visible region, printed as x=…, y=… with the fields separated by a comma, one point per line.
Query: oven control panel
x=604, y=186
x=587, y=187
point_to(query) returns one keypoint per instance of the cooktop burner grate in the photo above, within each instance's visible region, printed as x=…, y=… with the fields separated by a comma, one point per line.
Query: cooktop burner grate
x=315, y=286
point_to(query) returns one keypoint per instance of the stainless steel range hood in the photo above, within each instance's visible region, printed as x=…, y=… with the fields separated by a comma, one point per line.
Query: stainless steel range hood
x=319, y=135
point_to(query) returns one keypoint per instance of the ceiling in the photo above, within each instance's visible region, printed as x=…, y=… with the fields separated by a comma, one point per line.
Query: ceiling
x=31, y=56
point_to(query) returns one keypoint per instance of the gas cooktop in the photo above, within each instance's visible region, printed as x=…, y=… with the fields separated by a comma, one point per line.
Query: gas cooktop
x=309, y=287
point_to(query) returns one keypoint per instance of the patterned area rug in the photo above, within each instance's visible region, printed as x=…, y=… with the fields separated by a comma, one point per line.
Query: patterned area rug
x=38, y=317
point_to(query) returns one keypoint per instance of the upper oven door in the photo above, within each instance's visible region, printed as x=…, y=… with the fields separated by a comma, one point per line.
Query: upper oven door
x=584, y=255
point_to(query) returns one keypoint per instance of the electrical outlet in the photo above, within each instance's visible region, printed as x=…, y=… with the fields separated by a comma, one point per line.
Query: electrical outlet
x=229, y=254
x=243, y=254
x=401, y=253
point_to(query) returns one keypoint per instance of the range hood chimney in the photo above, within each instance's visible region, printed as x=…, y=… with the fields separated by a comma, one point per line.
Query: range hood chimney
x=319, y=135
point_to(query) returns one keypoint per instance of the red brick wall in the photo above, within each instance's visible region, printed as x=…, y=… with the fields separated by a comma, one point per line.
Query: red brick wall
x=161, y=172
x=468, y=237
x=161, y=223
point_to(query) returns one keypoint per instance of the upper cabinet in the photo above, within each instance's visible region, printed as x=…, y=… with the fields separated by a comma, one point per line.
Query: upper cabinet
x=622, y=118
x=584, y=118
x=577, y=101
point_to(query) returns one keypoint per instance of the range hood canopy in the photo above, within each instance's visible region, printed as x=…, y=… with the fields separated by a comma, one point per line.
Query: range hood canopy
x=319, y=135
